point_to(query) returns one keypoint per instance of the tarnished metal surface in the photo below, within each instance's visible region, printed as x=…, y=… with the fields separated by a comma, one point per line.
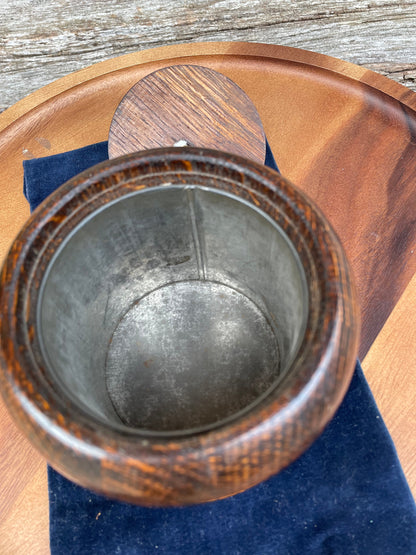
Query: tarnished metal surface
x=170, y=310
x=190, y=354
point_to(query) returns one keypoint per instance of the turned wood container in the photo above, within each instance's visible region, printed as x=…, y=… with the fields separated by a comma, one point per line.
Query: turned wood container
x=177, y=325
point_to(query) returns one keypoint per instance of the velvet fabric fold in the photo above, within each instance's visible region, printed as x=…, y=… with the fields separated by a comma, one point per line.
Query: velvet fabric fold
x=346, y=494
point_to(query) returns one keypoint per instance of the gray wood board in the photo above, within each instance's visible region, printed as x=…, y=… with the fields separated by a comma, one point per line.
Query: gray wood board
x=42, y=40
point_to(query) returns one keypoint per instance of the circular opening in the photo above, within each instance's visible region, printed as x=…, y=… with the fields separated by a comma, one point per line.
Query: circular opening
x=172, y=309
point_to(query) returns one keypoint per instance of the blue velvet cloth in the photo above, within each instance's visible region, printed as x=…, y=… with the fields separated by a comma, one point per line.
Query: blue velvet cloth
x=346, y=495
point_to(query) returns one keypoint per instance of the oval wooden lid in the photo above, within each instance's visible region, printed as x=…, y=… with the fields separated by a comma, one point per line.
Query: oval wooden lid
x=187, y=105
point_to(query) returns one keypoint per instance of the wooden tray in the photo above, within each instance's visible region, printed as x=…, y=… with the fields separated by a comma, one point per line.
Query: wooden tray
x=345, y=135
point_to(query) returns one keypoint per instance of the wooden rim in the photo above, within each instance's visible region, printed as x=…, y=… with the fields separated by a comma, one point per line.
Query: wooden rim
x=209, y=465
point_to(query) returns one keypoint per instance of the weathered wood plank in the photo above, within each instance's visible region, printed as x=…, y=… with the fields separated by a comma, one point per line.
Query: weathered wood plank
x=42, y=40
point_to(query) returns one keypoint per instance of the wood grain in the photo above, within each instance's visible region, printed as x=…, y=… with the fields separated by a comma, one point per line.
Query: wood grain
x=42, y=40
x=193, y=104
x=104, y=81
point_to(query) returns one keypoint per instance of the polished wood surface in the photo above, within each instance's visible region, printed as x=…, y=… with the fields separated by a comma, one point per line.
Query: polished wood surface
x=312, y=107
x=190, y=104
x=389, y=368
